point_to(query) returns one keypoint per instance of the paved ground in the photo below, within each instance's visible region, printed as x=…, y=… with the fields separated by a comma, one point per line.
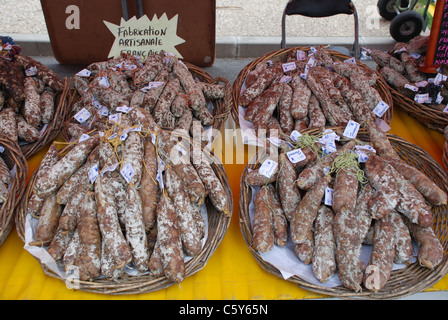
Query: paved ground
x=245, y=18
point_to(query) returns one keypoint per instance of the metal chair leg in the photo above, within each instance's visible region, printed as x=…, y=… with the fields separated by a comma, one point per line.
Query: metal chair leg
x=139, y=9
x=125, y=9
x=357, y=51
x=283, y=43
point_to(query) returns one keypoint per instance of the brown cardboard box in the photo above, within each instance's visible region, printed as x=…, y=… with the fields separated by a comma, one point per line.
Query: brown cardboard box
x=87, y=38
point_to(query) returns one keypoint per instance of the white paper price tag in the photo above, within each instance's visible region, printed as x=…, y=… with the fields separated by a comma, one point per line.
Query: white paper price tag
x=381, y=109
x=351, y=61
x=290, y=66
x=31, y=72
x=127, y=172
x=103, y=111
x=83, y=137
x=439, y=98
x=124, y=136
x=93, y=173
x=159, y=175
x=112, y=136
x=161, y=164
x=150, y=85
x=330, y=147
x=96, y=103
x=103, y=81
x=312, y=62
x=136, y=129
x=411, y=87
x=305, y=73
x=295, y=135
x=421, y=84
x=439, y=79
x=351, y=130
x=82, y=115
x=115, y=117
x=275, y=141
x=328, y=199
x=400, y=50
x=301, y=55
x=329, y=137
x=84, y=73
x=153, y=138
x=363, y=152
x=43, y=129
x=285, y=79
x=124, y=109
x=268, y=168
x=296, y=155
x=422, y=98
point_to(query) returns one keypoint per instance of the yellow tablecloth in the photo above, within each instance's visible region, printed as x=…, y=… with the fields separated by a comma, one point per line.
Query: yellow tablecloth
x=231, y=273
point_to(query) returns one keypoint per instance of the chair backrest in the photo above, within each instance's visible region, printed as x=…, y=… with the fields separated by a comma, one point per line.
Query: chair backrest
x=319, y=8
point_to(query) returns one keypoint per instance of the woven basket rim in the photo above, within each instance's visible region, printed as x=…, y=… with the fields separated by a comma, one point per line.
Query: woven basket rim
x=396, y=286
x=218, y=226
x=277, y=55
x=13, y=157
x=222, y=107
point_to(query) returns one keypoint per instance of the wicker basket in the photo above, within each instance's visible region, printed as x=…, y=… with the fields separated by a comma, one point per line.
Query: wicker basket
x=221, y=110
x=218, y=224
x=433, y=118
x=53, y=128
x=281, y=55
x=13, y=158
x=403, y=282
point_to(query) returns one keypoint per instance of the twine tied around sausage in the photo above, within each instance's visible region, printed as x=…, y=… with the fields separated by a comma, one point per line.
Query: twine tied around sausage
x=347, y=160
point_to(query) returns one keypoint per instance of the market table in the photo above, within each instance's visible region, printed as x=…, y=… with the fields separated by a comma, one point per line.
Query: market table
x=232, y=273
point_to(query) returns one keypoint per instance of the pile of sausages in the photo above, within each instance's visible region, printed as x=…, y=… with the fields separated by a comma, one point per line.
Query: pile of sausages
x=400, y=68
x=162, y=85
x=127, y=197
x=28, y=97
x=332, y=204
x=310, y=90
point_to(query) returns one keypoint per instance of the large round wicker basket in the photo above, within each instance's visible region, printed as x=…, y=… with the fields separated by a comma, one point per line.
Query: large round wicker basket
x=16, y=162
x=218, y=224
x=221, y=107
x=403, y=282
x=281, y=55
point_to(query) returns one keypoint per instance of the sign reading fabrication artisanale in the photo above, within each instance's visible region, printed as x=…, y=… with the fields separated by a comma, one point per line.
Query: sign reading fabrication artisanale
x=144, y=37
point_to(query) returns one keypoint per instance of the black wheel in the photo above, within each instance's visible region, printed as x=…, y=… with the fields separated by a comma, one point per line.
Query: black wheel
x=406, y=26
x=386, y=9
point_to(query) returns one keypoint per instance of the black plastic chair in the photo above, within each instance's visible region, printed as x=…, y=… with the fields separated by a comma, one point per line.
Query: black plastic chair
x=321, y=9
